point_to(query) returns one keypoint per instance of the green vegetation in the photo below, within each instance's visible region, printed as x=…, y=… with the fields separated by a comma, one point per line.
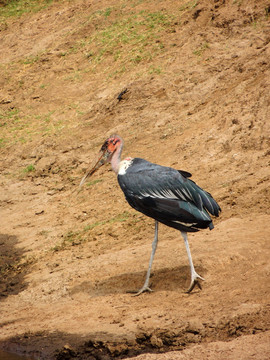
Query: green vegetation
x=119, y=218
x=2, y=142
x=7, y=116
x=17, y=126
x=123, y=37
x=29, y=168
x=30, y=60
x=155, y=70
x=201, y=49
x=237, y=2
x=125, y=41
x=107, y=12
x=43, y=86
x=189, y=5
x=93, y=182
x=20, y=7
x=10, y=126
x=74, y=238
x=70, y=238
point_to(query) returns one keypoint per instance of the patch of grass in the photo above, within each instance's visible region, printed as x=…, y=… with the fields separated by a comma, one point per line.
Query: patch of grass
x=76, y=75
x=92, y=226
x=189, y=5
x=19, y=7
x=29, y=168
x=70, y=238
x=17, y=127
x=9, y=121
x=93, y=182
x=8, y=116
x=74, y=238
x=237, y=2
x=107, y=12
x=43, y=86
x=201, y=49
x=126, y=41
x=46, y=118
x=155, y=70
x=117, y=72
x=2, y=142
x=30, y=60
x=119, y=218
x=76, y=107
x=46, y=124
x=12, y=126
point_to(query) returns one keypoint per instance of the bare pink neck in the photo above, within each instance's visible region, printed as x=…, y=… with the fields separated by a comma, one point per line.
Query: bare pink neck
x=116, y=158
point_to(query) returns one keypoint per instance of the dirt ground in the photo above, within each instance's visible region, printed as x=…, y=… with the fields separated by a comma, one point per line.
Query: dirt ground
x=195, y=84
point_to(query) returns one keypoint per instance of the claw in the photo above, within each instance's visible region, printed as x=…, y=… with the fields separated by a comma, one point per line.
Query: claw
x=142, y=290
x=195, y=281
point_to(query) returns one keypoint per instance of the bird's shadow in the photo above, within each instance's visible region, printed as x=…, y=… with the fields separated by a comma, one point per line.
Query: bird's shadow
x=165, y=279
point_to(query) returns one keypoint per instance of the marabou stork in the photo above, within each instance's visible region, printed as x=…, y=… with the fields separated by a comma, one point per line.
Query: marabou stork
x=162, y=193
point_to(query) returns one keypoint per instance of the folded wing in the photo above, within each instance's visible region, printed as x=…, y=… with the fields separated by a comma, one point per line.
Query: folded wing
x=168, y=195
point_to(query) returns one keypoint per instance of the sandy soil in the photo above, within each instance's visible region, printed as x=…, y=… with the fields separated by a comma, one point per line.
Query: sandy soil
x=197, y=99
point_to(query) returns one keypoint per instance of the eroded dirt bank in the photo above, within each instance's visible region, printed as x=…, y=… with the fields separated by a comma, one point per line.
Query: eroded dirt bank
x=195, y=79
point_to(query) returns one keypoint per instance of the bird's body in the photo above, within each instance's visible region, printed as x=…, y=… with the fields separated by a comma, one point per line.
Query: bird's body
x=166, y=195
x=162, y=193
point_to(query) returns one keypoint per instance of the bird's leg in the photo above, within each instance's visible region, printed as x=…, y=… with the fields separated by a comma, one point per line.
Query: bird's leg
x=154, y=247
x=194, y=276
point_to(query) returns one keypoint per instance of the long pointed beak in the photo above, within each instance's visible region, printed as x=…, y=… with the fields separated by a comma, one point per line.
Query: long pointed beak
x=101, y=160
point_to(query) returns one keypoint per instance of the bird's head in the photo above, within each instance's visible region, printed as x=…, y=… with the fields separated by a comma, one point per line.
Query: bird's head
x=110, y=146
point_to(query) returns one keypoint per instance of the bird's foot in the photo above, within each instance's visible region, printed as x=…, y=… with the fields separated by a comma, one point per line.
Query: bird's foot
x=142, y=290
x=195, y=281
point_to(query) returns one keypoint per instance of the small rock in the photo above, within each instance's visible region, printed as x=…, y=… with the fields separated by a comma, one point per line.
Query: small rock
x=156, y=342
x=195, y=327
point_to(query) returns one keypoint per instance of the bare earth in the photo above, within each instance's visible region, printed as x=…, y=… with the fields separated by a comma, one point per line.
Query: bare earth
x=197, y=99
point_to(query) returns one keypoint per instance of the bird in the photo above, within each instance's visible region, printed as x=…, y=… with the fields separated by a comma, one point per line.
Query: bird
x=162, y=193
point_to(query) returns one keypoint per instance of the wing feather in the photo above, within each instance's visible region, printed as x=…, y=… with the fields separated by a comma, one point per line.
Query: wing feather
x=167, y=196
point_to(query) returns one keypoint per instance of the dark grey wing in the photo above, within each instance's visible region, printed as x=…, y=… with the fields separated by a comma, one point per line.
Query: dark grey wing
x=167, y=196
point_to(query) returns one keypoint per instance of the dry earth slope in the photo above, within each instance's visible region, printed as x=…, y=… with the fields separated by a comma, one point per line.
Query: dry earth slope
x=195, y=84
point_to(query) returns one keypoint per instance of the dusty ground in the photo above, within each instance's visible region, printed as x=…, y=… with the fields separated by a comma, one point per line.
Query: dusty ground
x=197, y=75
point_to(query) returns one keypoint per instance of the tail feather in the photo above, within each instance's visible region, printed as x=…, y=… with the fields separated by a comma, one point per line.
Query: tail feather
x=208, y=202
